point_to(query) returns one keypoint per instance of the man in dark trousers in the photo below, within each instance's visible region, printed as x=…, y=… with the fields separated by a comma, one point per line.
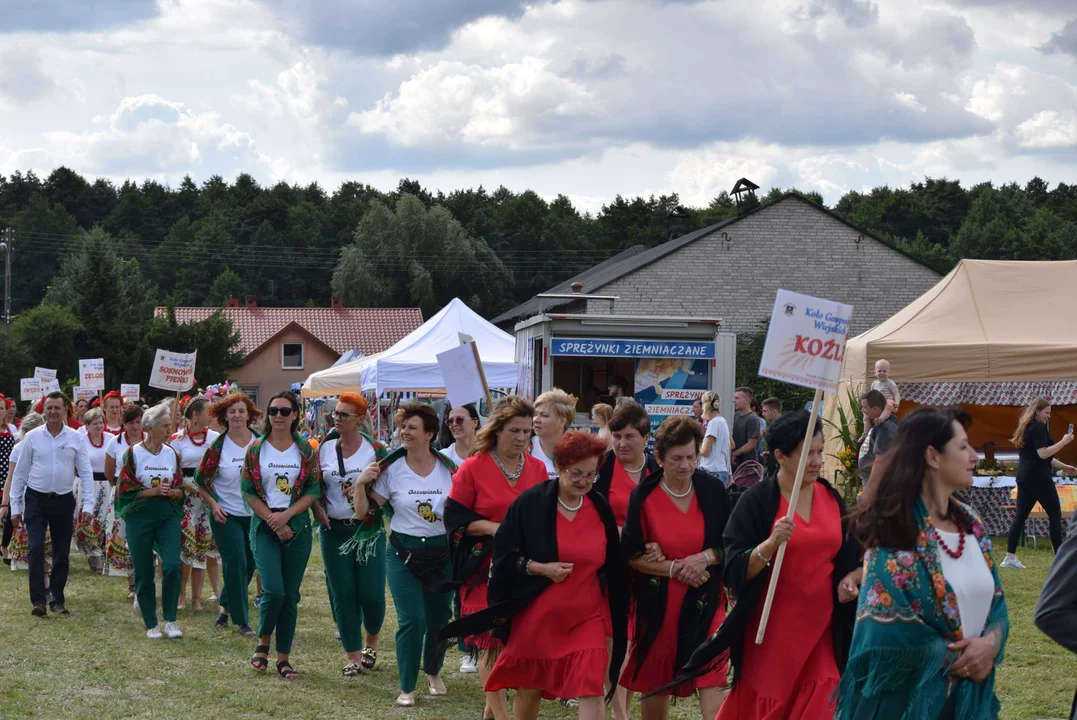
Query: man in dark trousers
x=880, y=433
x=41, y=495
x=746, y=432
x=1056, y=611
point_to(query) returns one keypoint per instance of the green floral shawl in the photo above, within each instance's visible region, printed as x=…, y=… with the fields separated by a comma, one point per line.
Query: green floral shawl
x=128, y=486
x=907, y=615
x=364, y=542
x=308, y=482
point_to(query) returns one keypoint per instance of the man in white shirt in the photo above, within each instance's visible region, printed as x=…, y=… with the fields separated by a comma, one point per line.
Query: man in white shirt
x=41, y=496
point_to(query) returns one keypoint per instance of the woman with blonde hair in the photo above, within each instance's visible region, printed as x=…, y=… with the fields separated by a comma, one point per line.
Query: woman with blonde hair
x=497, y=472
x=554, y=412
x=90, y=534
x=714, y=455
x=602, y=414
x=1036, y=464
x=19, y=549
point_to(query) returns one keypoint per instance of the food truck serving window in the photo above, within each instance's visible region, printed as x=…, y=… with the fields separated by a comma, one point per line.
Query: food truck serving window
x=604, y=347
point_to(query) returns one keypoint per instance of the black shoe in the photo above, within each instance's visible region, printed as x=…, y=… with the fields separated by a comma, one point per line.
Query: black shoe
x=59, y=609
x=39, y=611
x=222, y=621
x=245, y=630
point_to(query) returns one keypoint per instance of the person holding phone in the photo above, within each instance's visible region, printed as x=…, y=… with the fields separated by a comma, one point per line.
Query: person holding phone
x=1036, y=464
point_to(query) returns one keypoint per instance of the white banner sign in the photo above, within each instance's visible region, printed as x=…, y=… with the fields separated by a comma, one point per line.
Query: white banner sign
x=44, y=374
x=30, y=389
x=130, y=391
x=50, y=386
x=460, y=373
x=92, y=374
x=806, y=341
x=173, y=371
x=82, y=393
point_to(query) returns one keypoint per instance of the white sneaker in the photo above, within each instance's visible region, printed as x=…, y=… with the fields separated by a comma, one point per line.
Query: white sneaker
x=154, y=633
x=172, y=630
x=468, y=665
x=1011, y=561
x=136, y=603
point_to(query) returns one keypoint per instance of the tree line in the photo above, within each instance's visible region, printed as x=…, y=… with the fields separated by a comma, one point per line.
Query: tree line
x=92, y=259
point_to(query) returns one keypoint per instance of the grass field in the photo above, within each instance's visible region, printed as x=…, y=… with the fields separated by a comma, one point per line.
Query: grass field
x=97, y=663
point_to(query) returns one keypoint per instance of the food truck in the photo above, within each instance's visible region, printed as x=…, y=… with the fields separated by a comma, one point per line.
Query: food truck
x=664, y=363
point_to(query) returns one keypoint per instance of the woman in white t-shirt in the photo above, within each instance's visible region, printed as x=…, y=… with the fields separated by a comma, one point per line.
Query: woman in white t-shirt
x=149, y=498
x=198, y=551
x=554, y=412
x=218, y=480
x=19, y=547
x=117, y=553
x=90, y=534
x=281, y=480
x=353, y=549
x=714, y=455
x=463, y=423
x=416, y=486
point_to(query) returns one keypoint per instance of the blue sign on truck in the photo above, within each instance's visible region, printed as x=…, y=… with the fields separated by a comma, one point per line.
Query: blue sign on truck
x=603, y=347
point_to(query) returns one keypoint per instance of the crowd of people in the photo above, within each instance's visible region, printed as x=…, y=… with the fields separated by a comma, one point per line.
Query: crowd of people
x=569, y=565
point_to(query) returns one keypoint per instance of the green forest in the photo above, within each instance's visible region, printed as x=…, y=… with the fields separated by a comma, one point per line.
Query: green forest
x=92, y=259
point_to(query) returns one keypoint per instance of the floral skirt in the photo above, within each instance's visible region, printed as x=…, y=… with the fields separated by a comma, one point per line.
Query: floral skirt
x=117, y=554
x=90, y=535
x=196, y=536
x=19, y=549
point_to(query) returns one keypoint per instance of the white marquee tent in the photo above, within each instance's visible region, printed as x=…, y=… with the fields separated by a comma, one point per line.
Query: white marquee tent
x=411, y=364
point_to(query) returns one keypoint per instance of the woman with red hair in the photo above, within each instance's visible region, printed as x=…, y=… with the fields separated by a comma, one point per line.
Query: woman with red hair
x=558, y=578
x=355, y=580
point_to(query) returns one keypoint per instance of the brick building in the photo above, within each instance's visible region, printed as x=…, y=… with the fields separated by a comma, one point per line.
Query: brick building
x=732, y=270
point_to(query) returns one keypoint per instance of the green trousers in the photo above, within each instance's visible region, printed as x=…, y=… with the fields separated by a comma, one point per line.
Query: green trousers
x=356, y=590
x=237, y=565
x=155, y=524
x=420, y=614
x=281, y=566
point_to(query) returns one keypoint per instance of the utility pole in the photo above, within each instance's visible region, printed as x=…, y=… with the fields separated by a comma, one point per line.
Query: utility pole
x=7, y=246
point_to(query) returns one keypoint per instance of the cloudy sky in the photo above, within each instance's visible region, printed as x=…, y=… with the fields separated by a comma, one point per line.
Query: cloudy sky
x=589, y=98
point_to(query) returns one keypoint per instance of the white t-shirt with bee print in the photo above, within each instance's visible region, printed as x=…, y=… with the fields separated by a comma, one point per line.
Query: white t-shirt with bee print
x=418, y=502
x=279, y=473
x=339, y=508
x=154, y=470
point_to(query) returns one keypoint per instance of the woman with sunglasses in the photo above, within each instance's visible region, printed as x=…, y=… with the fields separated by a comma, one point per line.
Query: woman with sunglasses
x=281, y=479
x=356, y=583
x=463, y=421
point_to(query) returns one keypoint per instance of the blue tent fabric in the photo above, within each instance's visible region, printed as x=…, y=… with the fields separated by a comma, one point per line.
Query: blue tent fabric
x=348, y=357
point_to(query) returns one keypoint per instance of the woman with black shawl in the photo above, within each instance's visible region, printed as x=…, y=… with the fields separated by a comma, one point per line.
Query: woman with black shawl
x=557, y=582
x=793, y=674
x=672, y=539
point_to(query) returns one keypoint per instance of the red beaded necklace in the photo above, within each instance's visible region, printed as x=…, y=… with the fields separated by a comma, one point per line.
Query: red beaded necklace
x=955, y=554
x=205, y=434
x=96, y=445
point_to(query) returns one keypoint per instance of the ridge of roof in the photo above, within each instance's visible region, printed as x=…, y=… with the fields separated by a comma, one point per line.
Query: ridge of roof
x=607, y=272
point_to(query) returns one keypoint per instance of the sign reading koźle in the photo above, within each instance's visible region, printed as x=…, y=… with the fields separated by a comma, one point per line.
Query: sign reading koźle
x=806, y=341
x=173, y=371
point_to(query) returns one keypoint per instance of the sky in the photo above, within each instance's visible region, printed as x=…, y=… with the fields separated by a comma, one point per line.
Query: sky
x=586, y=98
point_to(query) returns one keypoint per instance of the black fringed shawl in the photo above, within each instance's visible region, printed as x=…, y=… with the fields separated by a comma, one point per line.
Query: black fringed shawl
x=605, y=471
x=749, y=525
x=649, y=592
x=529, y=532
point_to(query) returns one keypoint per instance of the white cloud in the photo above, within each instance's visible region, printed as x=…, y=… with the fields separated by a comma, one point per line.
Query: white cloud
x=1048, y=130
x=909, y=100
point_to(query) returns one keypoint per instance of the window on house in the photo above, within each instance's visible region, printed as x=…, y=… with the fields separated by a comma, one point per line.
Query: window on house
x=291, y=356
x=250, y=391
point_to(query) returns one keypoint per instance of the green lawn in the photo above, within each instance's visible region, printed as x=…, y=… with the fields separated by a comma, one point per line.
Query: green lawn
x=98, y=663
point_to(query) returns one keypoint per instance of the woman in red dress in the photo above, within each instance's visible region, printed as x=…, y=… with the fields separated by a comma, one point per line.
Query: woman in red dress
x=672, y=538
x=498, y=471
x=558, y=579
x=794, y=673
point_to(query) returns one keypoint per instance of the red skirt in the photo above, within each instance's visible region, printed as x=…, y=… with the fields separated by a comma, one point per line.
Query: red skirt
x=473, y=600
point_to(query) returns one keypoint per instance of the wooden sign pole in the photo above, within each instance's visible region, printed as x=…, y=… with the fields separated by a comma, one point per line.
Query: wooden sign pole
x=482, y=375
x=805, y=448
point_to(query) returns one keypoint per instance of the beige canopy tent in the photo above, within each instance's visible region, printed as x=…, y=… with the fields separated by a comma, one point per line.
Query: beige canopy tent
x=991, y=333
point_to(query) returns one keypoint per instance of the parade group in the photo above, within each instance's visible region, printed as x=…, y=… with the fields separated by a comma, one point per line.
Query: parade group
x=570, y=566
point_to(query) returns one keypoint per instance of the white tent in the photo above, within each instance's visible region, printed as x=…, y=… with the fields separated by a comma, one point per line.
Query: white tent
x=411, y=364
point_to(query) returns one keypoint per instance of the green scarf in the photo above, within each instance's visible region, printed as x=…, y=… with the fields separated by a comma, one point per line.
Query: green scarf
x=128, y=487
x=907, y=615
x=308, y=482
x=364, y=546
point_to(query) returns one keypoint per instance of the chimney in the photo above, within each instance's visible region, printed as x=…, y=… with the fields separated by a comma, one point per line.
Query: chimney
x=231, y=302
x=252, y=302
x=337, y=302
x=577, y=288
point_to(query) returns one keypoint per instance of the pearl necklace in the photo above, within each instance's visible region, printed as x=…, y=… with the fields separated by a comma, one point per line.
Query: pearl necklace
x=682, y=495
x=563, y=504
x=637, y=470
x=512, y=477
